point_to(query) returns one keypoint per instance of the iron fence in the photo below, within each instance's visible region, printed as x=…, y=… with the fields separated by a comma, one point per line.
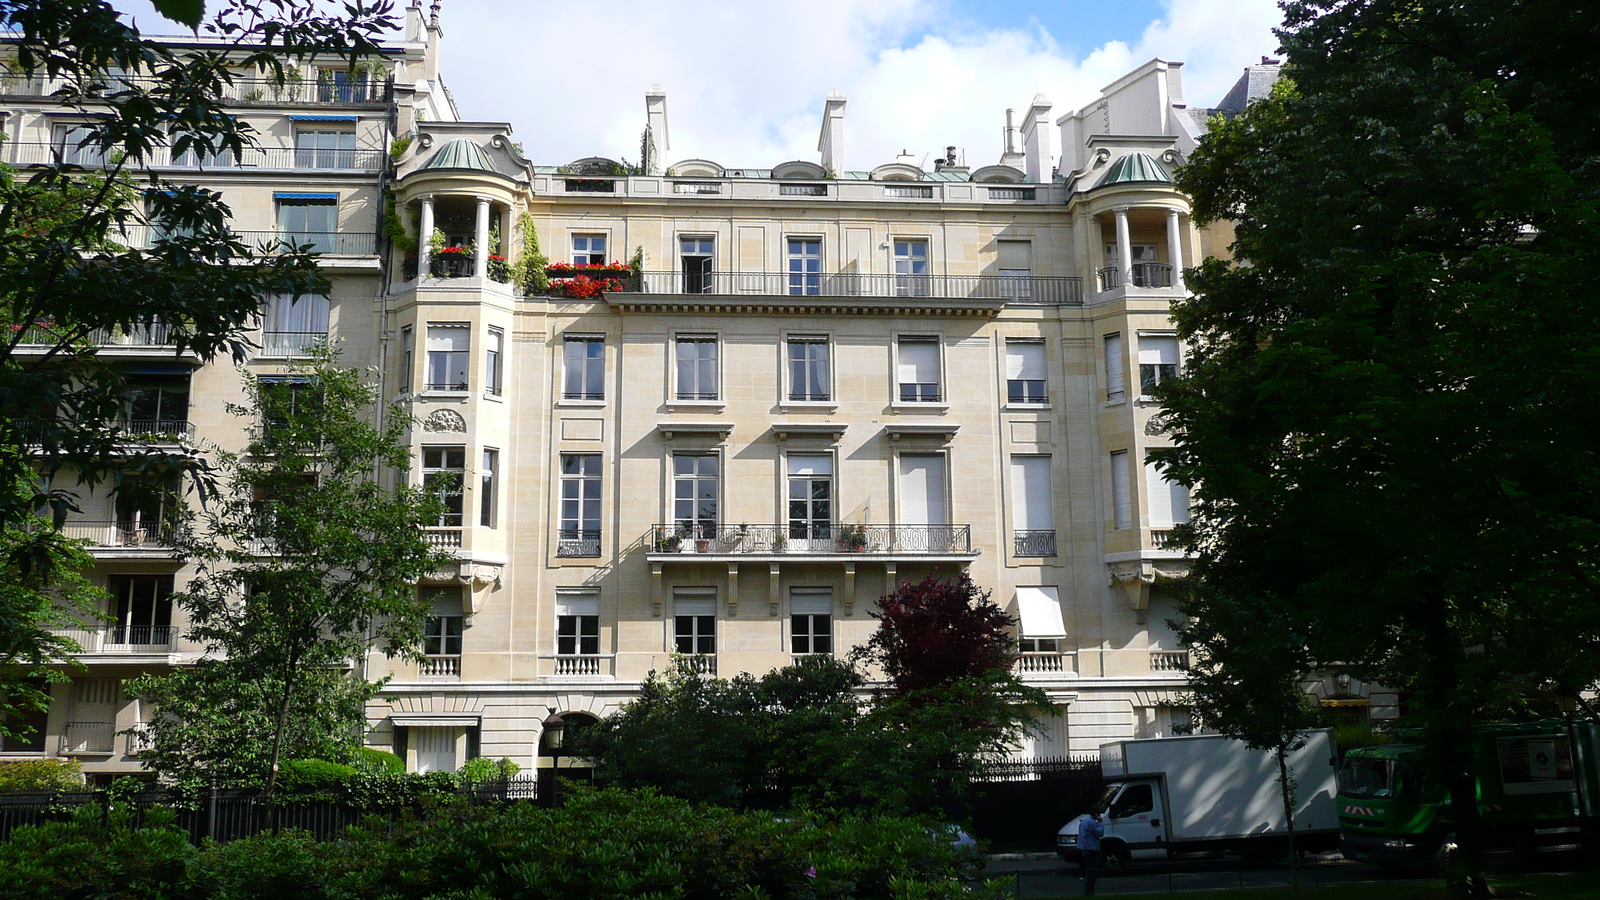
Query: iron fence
x=1020, y=289
x=809, y=537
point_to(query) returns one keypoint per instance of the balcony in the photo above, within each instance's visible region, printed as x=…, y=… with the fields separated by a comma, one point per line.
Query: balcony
x=165, y=430
x=91, y=738
x=701, y=663
x=1044, y=663
x=155, y=334
x=444, y=538
x=573, y=543
x=276, y=159
x=1168, y=660
x=292, y=343
x=1033, y=543
x=582, y=665
x=335, y=89
x=1145, y=275
x=448, y=667
x=326, y=243
x=121, y=639
x=1018, y=289
x=122, y=535
x=808, y=539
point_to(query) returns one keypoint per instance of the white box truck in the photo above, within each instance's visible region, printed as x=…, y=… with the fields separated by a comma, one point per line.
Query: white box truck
x=1167, y=796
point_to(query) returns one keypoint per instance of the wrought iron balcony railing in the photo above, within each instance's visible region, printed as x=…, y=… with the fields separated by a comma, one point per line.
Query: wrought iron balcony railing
x=1021, y=289
x=121, y=638
x=90, y=737
x=1033, y=543
x=119, y=534
x=1145, y=275
x=273, y=158
x=334, y=89
x=809, y=538
x=155, y=334
x=292, y=343
x=578, y=543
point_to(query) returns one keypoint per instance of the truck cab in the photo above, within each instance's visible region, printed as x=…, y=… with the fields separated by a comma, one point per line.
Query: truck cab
x=1133, y=814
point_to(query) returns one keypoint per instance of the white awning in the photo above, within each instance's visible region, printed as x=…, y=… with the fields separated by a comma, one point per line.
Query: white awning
x=424, y=720
x=1040, y=611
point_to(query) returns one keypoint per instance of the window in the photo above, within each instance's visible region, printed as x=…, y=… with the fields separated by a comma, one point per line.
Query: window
x=577, y=623
x=444, y=473
x=1168, y=500
x=1016, y=267
x=810, y=620
x=449, y=349
x=580, y=505
x=811, y=500
x=67, y=139
x=325, y=149
x=285, y=397
x=697, y=367
x=1142, y=253
x=488, y=486
x=194, y=158
x=309, y=219
x=144, y=609
x=910, y=268
x=141, y=505
x=694, y=620
x=29, y=725
x=1121, y=491
x=809, y=378
x=588, y=249
x=585, y=368
x=407, y=365
x=158, y=405
x=294, y=326
x=1033, y=506
x=919, y=370
x=1025, y=382
x=1158, y=361
x=694, y=494
x=1115, y=382
x=923, y=504
x=805, y=266
x=697, y=264
x=443, y=627
x=1037, y=645
x=1135, y=799
x=341, y=86
x=491, y=361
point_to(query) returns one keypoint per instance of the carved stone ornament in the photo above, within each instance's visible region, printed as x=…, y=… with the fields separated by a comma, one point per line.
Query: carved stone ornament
x=444, y=421
x=1152, y=427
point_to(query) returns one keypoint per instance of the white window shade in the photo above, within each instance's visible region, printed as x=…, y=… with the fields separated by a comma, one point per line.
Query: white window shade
x=1025, y=360
x=495, y=338
x=1016, y=254
x=1040, y=611
x=1030, y=493
x=1121, y=491
x=919, y=362
x=1158, y=350
x=578, y=603
x=694, y=601
x=810, y=465
x=1169, y=500
x=449, y=337
x=922, y=490
x=306, y=315
x=1115, y=381
x=810, y=601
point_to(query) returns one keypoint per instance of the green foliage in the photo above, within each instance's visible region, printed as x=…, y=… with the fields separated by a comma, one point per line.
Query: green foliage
x=1378, y=408
x=399, y=147
x=372, y=761
x=83, y=859
x=528, y=272
x=347, y=551
x=395, y=230
x=40, y=775
x=636, y=264
x=42, y=586
x=484, y=768
x=313, y=776
x=289, y=865
x=184, y=12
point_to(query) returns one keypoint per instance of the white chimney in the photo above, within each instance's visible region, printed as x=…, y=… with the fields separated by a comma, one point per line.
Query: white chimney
x=1009, y=154
x=414, y=21
x=831, y=141
x=1036, y=142
x=655, y=112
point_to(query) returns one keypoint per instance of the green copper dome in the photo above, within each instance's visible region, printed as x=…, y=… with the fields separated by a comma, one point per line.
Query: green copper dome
x=1135, y=167
x=461, y=154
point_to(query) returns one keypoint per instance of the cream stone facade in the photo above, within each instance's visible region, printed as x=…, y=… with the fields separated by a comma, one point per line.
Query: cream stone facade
x=822, y=382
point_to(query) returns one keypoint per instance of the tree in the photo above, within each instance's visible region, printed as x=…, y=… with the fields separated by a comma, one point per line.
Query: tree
x=65, y=248
x=1384, y=411
x=306, y=559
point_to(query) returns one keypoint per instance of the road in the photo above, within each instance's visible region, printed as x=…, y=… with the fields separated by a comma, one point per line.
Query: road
x=1053, y=878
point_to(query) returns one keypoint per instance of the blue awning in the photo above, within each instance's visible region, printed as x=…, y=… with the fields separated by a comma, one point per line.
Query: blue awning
x=293, y=195
x=158, y=370
x=324, y=118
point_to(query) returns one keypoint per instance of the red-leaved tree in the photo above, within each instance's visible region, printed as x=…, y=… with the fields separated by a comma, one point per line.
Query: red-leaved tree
x=936, y=632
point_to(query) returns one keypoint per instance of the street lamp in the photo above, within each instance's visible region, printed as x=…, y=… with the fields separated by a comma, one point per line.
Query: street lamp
x=552, y=741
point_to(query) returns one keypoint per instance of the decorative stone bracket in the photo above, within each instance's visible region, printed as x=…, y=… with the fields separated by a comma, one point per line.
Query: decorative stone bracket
x=1136, y=578
x=480, y=581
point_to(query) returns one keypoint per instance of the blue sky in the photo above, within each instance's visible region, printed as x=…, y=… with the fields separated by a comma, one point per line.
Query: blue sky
x=746, y=80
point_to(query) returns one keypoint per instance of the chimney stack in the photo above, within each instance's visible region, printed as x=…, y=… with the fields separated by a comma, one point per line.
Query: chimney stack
x=655, y=112
x=1009, y=154
x=1036, y=142
x=831, y=141
x=414, y=21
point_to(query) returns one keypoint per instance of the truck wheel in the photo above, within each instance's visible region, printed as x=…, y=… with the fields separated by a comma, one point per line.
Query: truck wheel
x=1449, y=852
x=1115, y=857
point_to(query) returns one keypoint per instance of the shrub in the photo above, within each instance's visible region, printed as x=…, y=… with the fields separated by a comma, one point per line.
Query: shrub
x=484, y=768
x=83, y=859
x=40, y=775
x=314, y=778
x=371, y=760
x=284, y=866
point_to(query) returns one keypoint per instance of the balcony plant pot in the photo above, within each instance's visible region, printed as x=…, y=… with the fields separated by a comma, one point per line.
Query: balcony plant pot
x=702, y=546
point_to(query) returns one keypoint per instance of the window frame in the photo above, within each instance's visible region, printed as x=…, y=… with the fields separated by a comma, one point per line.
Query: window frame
x=917, y=281
x=825, y=341
x=802, y=282
x=576, y=541
x=407, y=359
x=588, y=253
x=489, y=489
x=435, y=476
x=1123, y=514
x=338, y=158
x=803, y=642
x=940, y=397
x=705, y=281
x=1033, y=392
x=494, y=361
x=700, y=395
x=786, y=481
x=453, y=360
x=698, y=628
x=320, y=241
x=587, y=393
x=1114, y=350
x=578, y=633
x=1152, y=374
x=694, y=526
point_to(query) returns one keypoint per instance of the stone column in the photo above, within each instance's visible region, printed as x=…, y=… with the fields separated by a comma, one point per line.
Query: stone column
x=1124, y=249
x=480, y=239
x=424, y=236
x=1175, y=248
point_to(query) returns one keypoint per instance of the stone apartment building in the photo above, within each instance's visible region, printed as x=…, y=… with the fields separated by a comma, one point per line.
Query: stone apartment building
x=831, y=376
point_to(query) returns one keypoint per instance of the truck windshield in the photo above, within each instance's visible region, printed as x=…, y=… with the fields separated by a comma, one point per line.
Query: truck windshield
x=1105, y=798
x=1366, y=777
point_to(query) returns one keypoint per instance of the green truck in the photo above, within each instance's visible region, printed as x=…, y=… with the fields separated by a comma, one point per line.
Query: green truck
x=1538, y=787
